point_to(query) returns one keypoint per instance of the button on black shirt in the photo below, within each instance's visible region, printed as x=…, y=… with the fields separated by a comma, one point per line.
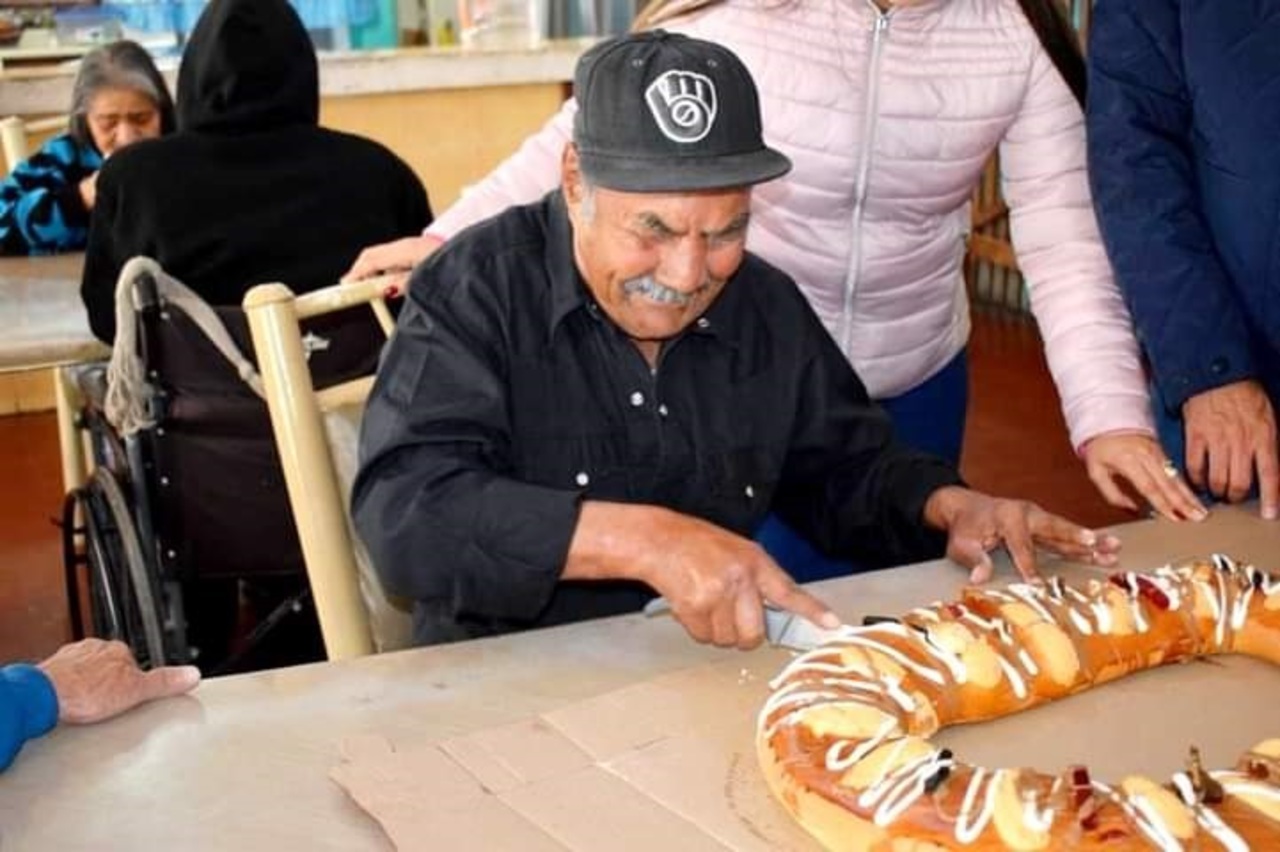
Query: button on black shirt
x=507, y=396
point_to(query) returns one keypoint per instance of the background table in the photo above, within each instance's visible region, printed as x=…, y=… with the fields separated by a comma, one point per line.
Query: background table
x=45, y=326
x=243, y=763
x=43, y=318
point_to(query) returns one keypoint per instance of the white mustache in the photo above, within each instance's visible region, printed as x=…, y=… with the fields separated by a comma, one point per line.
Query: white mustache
x=649, y=288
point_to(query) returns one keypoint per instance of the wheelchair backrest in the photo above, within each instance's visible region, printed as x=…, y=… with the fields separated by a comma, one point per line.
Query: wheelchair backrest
x=219, y=502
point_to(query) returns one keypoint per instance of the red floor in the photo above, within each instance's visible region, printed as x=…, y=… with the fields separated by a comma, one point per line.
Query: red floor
x=1016, y=444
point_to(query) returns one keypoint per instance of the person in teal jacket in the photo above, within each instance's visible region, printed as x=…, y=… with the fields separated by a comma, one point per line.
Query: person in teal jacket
x=118, y=98
x=84, y=682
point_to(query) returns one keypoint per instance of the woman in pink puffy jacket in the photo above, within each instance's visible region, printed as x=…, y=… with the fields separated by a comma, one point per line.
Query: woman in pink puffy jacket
x=889, y=111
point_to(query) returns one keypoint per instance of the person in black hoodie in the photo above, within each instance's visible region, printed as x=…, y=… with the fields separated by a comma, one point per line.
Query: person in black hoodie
x=250, y=188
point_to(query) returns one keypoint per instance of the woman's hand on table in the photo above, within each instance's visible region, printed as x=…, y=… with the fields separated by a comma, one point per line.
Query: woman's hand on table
x=977, y=523
x=1137, y=459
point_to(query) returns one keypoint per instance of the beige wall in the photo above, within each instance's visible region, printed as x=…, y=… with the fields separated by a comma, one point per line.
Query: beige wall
x=450, y=137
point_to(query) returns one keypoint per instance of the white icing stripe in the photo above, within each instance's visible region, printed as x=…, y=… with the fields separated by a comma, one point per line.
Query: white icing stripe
x=1220, y=631
x=869, y=796
x=1214, y=606
x=1206, y=817
x=967, y=826
x=900, y=789
x=1102, y=614
x=1015, y=680
x=838, y=760
x=897, y=656
x=1186, y=791
x=1220, y=830
x=1171, y=586
x=1152, y=826
x=894, y=690
x=1080, y=622
x=1030, y=596
x=1240, y=610
x=1251, y=788
x=1027, y=663
x=1037, y=820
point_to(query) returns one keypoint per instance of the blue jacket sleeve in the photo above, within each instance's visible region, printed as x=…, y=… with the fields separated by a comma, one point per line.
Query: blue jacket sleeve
x=1142, y=170
x=40, y=206
x=28, y=708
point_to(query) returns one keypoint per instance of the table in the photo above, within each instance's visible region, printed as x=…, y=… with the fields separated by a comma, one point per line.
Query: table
x=45, y=326
x=243, y=763
x=43, y=318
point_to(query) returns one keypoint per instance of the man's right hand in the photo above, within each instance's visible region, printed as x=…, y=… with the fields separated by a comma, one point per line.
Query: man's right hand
x=717, y=582
x=1231, y=431
x=400, y=255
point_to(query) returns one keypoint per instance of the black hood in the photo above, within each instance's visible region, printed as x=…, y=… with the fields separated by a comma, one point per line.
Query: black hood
x=249, y=66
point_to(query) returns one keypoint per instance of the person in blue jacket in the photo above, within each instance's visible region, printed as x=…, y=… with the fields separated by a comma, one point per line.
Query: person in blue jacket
x=84, y=682
x=118, y=98
x=1184, y=135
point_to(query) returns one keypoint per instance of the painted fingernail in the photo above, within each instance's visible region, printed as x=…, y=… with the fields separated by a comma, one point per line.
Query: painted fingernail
x=1089, y=538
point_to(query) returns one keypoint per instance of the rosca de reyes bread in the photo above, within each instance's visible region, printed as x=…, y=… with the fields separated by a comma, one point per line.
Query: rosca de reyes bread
x=843, y=737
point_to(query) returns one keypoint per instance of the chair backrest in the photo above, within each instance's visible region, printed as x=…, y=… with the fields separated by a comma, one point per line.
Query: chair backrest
x=16, y=135
x=316, y=432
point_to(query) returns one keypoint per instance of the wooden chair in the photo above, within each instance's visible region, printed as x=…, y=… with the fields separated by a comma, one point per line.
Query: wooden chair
x=17, y=134
x=990, y=267
x=315, y=434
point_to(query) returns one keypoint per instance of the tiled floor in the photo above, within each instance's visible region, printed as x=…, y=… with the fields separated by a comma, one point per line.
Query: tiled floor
x=1016, y=445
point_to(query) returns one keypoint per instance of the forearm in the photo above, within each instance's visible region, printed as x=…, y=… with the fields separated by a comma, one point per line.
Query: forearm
x=619, y=541
x=28, y=708
x=1086, y=328
x=439, y=528
x=1093, y=356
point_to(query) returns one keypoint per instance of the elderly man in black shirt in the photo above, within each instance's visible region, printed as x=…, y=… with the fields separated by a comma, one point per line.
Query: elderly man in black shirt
x=599, y=397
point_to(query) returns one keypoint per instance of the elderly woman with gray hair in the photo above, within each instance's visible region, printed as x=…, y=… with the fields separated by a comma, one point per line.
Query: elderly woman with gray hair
x=118, y=98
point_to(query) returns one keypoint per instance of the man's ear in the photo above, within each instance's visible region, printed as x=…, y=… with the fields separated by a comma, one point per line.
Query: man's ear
x=571, y=183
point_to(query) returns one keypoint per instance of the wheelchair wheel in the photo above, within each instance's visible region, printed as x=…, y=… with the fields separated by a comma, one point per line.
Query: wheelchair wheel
x=122, y=588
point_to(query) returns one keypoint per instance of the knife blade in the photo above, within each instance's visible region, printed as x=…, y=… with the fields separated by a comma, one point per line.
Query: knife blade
x=782, y=628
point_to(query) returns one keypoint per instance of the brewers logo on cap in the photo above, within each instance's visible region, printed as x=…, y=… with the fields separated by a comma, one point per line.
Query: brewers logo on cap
x=683, y=104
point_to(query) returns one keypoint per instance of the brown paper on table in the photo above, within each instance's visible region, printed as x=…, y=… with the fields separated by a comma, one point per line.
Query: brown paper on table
x=670, y=763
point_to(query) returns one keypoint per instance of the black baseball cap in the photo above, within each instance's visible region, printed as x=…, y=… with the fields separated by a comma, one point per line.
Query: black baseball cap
x=662, y=112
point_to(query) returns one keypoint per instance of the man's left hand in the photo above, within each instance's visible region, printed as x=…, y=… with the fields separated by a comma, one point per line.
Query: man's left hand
x=976, y=524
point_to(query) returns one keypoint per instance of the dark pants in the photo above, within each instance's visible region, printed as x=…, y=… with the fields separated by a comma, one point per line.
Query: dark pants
x=929, y=417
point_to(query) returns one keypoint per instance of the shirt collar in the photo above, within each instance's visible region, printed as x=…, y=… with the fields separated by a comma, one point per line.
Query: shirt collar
x=569, y=292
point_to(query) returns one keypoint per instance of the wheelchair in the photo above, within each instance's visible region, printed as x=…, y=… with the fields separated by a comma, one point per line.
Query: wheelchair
x=183, y=531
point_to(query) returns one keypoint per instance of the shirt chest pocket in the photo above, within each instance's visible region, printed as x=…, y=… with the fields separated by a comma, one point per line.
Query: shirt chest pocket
x=739, y=486
x=593, y=465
